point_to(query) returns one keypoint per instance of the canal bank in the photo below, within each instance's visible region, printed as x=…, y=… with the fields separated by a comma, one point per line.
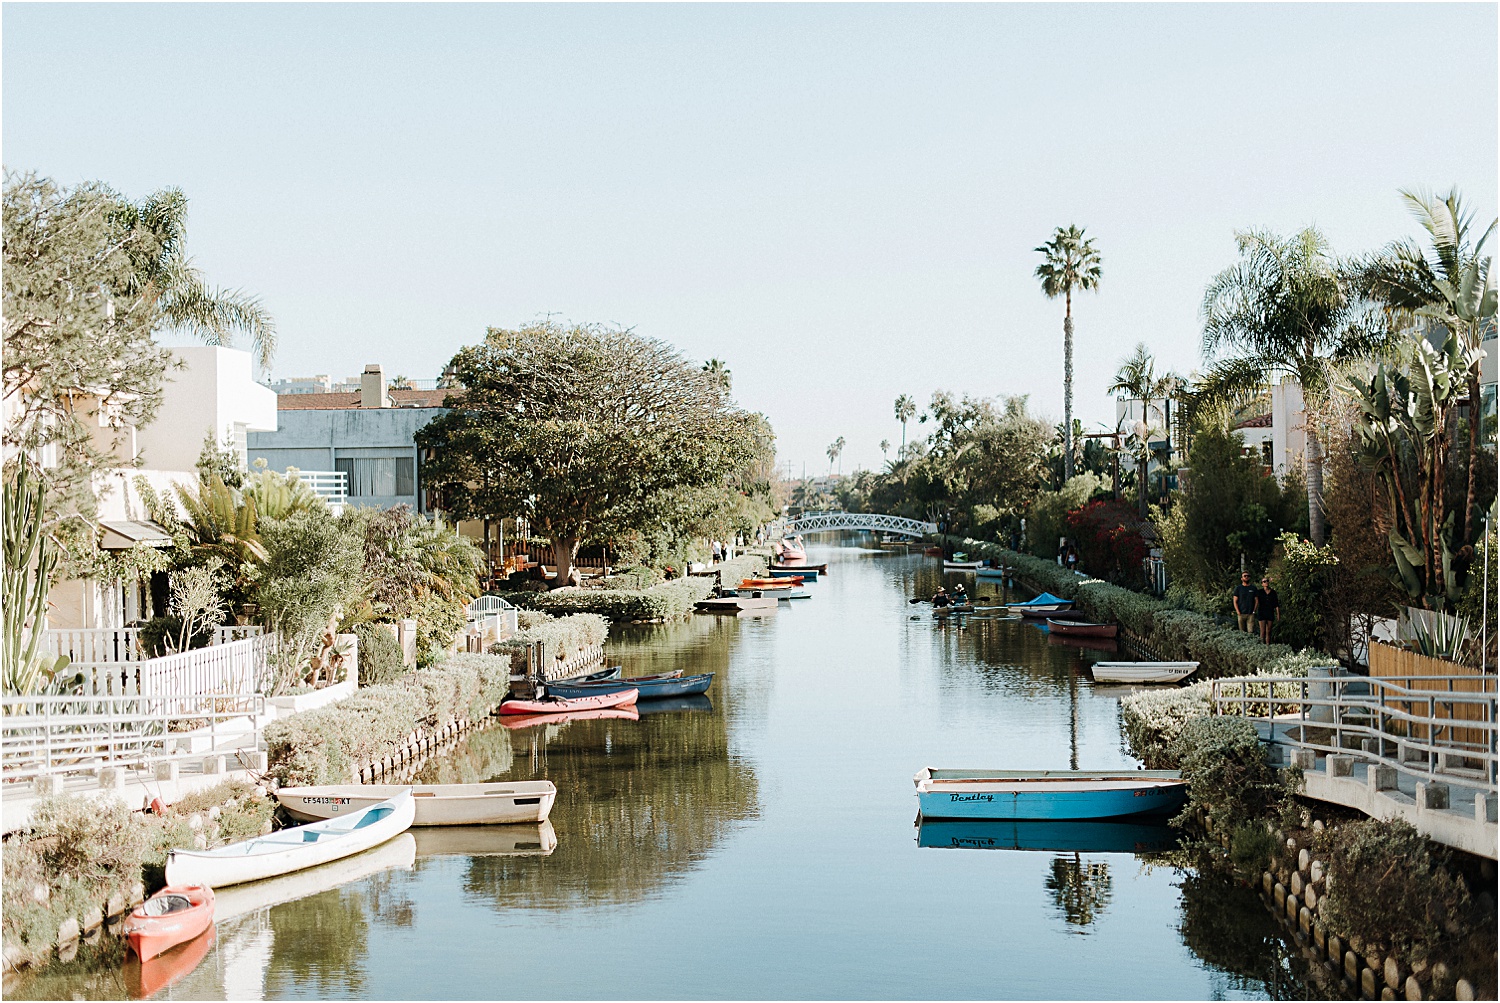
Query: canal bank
x=772, y=820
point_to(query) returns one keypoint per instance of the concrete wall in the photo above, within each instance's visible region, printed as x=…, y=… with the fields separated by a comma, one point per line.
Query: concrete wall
x=213, y=393
x=316, y=439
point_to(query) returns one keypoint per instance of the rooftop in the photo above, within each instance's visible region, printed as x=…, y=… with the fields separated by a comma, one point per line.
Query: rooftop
x=400, y=397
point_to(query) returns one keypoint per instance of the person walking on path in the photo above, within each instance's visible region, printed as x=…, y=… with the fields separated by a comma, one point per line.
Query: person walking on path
x=1244, y=603
x=1267, y=609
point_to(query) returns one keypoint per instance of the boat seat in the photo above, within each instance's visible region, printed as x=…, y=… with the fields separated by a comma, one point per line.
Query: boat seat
x=163, y=905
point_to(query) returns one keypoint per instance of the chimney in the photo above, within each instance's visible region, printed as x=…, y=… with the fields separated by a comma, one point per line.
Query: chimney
x=372, y=392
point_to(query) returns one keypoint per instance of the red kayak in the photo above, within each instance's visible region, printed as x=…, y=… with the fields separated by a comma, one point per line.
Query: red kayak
x=1080, y=629
x=172, y=916
x=557, y=705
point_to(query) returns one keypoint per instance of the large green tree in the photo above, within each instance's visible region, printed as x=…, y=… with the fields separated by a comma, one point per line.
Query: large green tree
x=1284, y=308
x=590, y=432
x=1069, y=262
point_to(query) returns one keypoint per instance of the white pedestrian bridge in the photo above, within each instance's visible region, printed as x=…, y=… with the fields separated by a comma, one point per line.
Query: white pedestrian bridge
x=872, y=522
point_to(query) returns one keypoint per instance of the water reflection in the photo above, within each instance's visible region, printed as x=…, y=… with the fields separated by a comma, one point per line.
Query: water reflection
x=1080, y=837
x=1080, y=889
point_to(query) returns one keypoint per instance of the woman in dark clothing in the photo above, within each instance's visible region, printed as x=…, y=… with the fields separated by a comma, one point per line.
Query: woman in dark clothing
x=1267, y=609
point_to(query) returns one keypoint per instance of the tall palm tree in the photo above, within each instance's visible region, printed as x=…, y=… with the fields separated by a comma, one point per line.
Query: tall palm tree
x=1069, y=262
x=835, y=450
x=163, y=272
x=720, y=372
x=1138, y=380
x=906, y=410
x=1283, y=308
x=838, y=445
x=1450, y=283
x=885, y=449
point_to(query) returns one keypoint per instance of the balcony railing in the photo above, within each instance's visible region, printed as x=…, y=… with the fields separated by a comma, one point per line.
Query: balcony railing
x=330, y=485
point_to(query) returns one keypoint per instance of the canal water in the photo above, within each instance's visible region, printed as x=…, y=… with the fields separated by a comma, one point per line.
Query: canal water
x=760, y=842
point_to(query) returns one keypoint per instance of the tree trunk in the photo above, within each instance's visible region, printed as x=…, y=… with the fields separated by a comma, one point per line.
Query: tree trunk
x=1314, y=465
x=564, y=549
x=1143, y=476
x=1068, y=392
x=1468, y=515
x=1116, y=471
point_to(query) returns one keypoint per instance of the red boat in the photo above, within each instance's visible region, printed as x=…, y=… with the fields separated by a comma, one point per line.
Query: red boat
x=609, y=713
x=144, y=979
x=1050, y=614
x=557, y=705
x=1080, y=629
x=172, y=916
x=766, y=584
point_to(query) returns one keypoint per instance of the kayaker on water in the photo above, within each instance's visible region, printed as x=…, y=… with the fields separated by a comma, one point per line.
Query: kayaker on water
x=941, y=599
x=960, y=597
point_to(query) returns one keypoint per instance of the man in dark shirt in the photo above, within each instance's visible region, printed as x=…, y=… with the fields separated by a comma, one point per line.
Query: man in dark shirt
x=1244, y=603
x=1267, y=608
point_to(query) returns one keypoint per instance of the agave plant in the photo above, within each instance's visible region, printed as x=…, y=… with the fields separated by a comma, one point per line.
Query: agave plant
x=1436, y=635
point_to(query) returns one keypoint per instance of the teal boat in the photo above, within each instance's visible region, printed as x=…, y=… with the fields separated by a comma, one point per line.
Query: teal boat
x=1055, y=837
x=1048, y=794
x=806, y=574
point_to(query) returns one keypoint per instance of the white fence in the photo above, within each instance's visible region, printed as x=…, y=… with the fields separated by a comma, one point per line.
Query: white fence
x=235, y=667
x=493, y=618
x=122, y=644
x=330, y=485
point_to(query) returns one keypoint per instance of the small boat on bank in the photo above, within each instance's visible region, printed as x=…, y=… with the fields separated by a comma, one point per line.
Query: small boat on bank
x=1048, y=794
x=516, y=722
x=559, y=705
x=749, y=599
x=174, y=915
x=648, y=689
x=1082, y=628
x=293, y=849
x=436, y=804
x=1143, y=672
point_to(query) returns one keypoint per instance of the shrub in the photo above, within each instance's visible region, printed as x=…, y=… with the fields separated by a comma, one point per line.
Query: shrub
x=1302, y=580
x=1152, y=720
x=1109, y=541
x=93, y=841
x=660, y=601
x=1388, y=886
x=380, y=658
x=1230, y=777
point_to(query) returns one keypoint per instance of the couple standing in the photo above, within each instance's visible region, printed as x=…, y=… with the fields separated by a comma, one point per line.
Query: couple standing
x=1254, y=606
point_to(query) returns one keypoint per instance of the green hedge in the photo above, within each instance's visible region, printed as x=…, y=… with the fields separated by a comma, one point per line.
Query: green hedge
x=1178, y=634
x=329, y=745
x=662, y=601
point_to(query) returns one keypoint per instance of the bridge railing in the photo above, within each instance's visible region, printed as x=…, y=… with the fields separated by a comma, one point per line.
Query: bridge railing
x=875, y=522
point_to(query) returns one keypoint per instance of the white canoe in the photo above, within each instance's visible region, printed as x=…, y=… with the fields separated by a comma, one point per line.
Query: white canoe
x=293, y=849
x=962, y=565
x=436, y=804
x=1143, y=672
x=737, y=603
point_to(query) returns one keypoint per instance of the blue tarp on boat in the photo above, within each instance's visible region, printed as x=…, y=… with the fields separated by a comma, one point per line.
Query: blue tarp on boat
x=1045, y=599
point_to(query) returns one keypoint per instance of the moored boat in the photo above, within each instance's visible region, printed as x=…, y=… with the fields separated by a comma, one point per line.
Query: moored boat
x=754, y=599
x=1079, y=628
x=293, y=849
x=174, y=915
x=1143, y=672
x=1052, y=614
x=962, y=565
x=933, y=551
x=613, y=672
x=500, y=803
x=1044, y=603
x=648, y=689
x=1048, y=794
x=988, y=572
x=770, y=583
x=559, y=705
x=793, y=594
x=800, y=569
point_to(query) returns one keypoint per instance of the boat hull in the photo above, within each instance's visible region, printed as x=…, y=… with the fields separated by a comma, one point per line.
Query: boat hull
x=150, y=935
x=960, y=565
x=796, y=574
x=1142, y=672
x=941, y=611
x=991, y=572
x=737, y=603
x=650, y=689
x=557, y=705
x=1035, y=613
x=800, y=569
x=1014, y=796
x=436, y=804
x=292, y=849
x=1072, y=629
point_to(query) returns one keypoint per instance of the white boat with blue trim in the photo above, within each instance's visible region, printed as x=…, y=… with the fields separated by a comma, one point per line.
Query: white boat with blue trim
x=1048, y=794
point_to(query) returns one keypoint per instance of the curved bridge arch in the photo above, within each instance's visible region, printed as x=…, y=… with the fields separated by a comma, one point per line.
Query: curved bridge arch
x=874, y=522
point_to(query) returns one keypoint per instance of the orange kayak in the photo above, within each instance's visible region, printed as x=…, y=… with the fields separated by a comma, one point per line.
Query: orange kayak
x=172, y=916
x=557, y=705
x=770, y=583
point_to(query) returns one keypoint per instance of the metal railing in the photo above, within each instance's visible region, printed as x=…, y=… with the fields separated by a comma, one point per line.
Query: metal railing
x=487, y=604
x=330, y=485
x=58, y=735
x=1421, y=725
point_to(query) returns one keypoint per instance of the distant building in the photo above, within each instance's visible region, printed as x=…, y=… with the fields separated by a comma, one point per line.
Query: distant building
x=321, y=384
x=368, y=435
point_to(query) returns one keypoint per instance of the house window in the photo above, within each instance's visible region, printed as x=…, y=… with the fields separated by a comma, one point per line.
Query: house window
x=385, y=476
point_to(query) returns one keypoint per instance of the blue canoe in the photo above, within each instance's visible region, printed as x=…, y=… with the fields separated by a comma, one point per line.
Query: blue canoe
x=806, y=574
x=1055, y=837
x=613, y=672
x=649, y=689
x=1048, y=794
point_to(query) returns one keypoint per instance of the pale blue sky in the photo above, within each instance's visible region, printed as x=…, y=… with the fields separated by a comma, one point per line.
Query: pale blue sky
x=841, y=201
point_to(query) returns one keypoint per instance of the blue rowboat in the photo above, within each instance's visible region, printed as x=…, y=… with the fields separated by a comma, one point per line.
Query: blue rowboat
x=613, y=672
x=991, y=573
x=806, y=574
x=1048, y=794
x=1055, y=837
x=649, y=689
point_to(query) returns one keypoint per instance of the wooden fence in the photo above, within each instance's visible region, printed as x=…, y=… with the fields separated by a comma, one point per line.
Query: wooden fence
x=1424, y=672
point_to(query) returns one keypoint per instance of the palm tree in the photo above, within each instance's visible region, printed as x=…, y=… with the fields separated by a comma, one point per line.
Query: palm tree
x=1069, y=262
x=885, y=449
x=1137, y=379
x=906, y=410
x=164, y=273
x=1283, y=308
x=835, y=450
x=838, y=445
x=1449, y=283
x=720, y=372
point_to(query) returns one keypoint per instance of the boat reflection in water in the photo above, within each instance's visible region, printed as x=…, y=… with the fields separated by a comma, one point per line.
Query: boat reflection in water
x=399, y=853
x=537, y=839
x=676, y=705
x=147, y=978
x=1055, y=837
x=516, y=722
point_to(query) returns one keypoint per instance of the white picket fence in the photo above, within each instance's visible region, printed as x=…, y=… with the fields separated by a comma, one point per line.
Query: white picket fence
x=122, y=644
x=234, y=667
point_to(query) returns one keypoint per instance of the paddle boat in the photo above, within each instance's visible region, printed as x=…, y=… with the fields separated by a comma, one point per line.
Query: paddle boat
x=1048, y=794
x=398, y=854
x=145, y=979
x=1044, y=603
x=293, y=849
x=537, y=839
x=649, y=689
x=559, y=705
x=174, y=915
x=1143, y=672
x=516, y=722
x=436, y=804
x=738, y=602
x=1080, y=628
x=1052, y=837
